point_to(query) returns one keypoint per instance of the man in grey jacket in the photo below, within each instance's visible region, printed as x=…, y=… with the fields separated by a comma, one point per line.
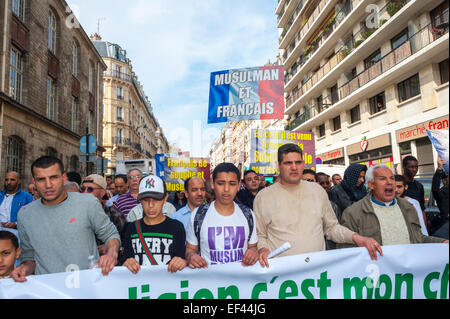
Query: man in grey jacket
x=58, y=232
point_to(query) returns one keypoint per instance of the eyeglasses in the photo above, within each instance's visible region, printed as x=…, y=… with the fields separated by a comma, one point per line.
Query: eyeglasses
x=89, y=189
x=134, y=177
x=310, y=180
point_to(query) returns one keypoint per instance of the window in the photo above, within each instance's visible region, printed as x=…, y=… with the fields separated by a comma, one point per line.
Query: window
x=409, y=88
x=439, y=16
x=15, y=154
x=91, y=78
x=74, y=164
x=355, y=114
x=319, y=104
x=120, y=93
x=334, y=94
x=372, y=59
x=337, y=123
x=18, y=8
x=74, y=115
x=321, y=130
x=52, y=32
x=51, y=99
x=50, y=151
x=119, y=114
x=399, y=39
x=119, y=136
x=74, y=59
x=15, y=75
x=377, y=103
x=443, y=70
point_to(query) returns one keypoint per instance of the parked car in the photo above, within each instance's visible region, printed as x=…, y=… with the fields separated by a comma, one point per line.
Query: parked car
x=432, y=212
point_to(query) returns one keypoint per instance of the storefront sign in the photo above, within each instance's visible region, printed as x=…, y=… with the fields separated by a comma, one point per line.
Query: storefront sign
x=331, y=155
x=369, y=144
x=420, y=130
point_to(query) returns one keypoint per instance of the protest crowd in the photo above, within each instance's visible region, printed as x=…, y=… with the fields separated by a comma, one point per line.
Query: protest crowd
x=133, y=221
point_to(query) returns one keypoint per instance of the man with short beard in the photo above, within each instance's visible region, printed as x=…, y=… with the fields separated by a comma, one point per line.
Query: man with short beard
x=12, y=199
x=195, y=191
x=247, y=195
x=299, y=212
x=388, y=219
x=59, y=229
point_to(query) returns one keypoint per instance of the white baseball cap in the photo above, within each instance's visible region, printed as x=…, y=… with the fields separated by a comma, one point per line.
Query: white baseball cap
x=152, y=187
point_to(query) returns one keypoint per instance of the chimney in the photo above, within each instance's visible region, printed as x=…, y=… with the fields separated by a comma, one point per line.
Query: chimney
x=96, y=37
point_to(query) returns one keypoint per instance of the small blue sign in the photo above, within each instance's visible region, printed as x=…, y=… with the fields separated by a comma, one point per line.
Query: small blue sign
x=92, y=144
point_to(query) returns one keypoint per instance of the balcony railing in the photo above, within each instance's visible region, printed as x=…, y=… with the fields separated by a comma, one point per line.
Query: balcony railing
x=415, y=43
x=320, y=38
x=121, y=141
x=347, y=47
x=117, y=75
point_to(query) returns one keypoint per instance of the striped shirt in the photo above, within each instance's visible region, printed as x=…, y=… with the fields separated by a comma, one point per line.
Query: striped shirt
x=125, y=203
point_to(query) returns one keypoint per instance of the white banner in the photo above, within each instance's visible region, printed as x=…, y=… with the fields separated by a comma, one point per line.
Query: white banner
x=404, y=272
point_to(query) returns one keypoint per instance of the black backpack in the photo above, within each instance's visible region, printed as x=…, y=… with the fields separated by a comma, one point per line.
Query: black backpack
x=203, y=209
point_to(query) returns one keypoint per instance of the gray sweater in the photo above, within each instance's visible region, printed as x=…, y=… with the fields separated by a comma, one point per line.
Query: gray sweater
x=55, y=237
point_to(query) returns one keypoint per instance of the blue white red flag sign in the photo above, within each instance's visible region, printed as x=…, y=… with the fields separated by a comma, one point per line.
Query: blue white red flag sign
x=439, y=138
x=246, y=94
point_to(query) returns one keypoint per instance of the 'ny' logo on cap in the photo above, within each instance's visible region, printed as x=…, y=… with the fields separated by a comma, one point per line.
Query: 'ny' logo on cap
x=150, y=182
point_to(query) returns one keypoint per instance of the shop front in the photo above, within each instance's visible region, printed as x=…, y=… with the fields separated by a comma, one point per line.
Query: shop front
x=335, y=157
x=413, y=140
x=370, y=152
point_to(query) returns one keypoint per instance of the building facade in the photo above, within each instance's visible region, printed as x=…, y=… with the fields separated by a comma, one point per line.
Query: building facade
x=367, y=77
x=233, y=145
x=51, y=86
x=130, y=129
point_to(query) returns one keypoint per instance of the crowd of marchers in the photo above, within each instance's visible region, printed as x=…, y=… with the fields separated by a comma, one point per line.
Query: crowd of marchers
x=132, y=220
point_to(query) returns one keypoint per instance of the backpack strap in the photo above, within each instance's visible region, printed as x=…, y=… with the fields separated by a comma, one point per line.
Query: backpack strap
x=147, y=251
x=198, y=221
x=248, y=215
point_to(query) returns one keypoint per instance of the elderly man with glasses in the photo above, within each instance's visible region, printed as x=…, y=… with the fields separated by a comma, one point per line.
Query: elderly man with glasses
x=126, y=202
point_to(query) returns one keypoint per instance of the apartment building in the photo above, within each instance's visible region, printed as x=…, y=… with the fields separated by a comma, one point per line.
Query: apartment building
x=130, y=129
x=367, y=77
x=50, y=89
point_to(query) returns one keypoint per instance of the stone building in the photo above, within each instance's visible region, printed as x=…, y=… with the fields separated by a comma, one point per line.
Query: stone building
x=50, y=86
x=130, y=128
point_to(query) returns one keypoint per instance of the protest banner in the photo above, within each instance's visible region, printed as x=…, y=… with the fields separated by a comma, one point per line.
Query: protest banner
x=160, y=160
x=265, y=144
x=179, y=169
x=246, y=94
x=416, y=271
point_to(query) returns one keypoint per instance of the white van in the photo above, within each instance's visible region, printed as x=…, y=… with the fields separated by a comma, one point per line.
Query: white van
x=331, y=169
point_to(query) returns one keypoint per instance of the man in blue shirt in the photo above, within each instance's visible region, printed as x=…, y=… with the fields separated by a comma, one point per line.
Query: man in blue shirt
x=195, y=191
x=12, y=199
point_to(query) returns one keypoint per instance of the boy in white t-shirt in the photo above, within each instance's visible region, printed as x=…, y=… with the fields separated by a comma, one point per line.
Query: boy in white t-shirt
x=222, y=231
x=400, y=188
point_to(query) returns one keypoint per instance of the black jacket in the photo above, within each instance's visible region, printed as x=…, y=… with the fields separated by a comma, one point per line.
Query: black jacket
x=440, y=194
x=244, y=196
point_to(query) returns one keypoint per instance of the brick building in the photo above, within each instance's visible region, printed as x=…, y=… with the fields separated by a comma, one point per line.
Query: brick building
x=51, y=80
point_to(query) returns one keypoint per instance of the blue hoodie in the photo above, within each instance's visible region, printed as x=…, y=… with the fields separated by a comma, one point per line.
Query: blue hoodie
x=20, y=199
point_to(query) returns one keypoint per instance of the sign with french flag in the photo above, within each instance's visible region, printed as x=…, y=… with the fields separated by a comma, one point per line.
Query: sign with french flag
x=246, y=94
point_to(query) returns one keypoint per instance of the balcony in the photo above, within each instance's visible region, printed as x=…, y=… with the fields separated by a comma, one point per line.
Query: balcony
x=418, y=41
x=117, y=75
x=121, y=141
x=299, y=21
x=414, y=44
x=349, y=45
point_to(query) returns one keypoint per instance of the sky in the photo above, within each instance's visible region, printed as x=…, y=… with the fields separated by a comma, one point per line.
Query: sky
x=174, y=45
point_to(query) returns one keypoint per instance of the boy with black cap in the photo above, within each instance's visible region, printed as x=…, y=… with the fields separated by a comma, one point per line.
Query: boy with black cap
x=155, y=239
